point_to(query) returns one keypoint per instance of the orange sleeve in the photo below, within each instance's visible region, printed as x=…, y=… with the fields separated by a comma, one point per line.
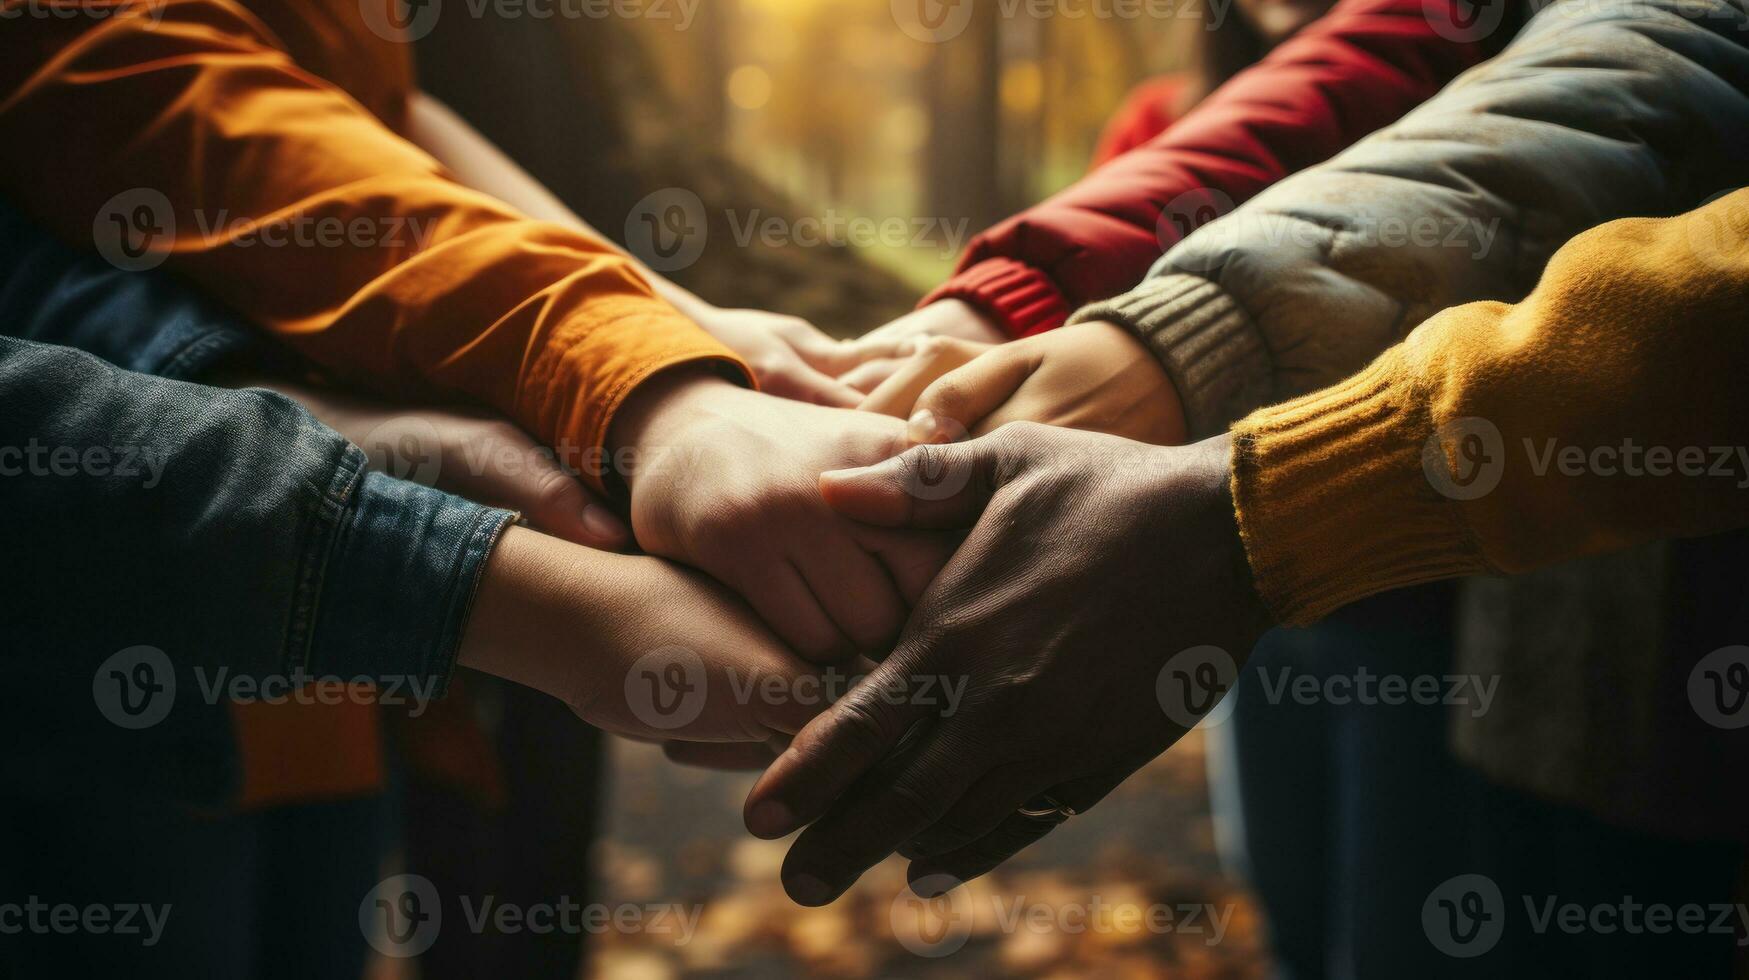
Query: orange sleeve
x=186, y=126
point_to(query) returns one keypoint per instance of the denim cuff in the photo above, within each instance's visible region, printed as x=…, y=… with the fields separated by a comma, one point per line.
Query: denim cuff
x=390, y=579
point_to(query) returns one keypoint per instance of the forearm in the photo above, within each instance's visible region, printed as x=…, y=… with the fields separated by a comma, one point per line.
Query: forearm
x=1356, y=69
x=449, y=291
x=478, y=163
x=1605, y=410
x=1463, y=200
x=228, y=529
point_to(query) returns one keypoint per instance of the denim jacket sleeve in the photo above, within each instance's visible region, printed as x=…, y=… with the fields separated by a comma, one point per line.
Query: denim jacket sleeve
x=228, y=529
x=372, y=576
x=170, y=538
x=166, y=539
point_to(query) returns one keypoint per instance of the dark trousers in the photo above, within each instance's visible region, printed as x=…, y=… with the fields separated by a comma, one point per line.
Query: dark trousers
x=1354, y=815
x=272, y=894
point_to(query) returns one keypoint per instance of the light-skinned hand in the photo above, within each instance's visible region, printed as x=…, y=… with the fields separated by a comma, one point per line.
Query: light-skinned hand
x=792, y=358
x=636, y=645
x=950, y=318
x=727, y=480
x=1093, y=376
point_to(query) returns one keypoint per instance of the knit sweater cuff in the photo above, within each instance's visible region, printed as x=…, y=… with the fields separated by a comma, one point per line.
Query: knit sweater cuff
x=1335, y=502
x=1020, y=298
x=1210, y=348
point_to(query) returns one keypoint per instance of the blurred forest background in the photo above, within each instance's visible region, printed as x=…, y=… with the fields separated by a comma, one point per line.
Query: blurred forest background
x=805, y=108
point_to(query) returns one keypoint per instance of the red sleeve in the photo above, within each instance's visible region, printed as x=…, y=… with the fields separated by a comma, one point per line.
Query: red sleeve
x=1355, y=70
x=1148, y=111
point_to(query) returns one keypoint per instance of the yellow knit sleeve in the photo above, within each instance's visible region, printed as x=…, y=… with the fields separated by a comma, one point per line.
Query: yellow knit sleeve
x=1608, y=408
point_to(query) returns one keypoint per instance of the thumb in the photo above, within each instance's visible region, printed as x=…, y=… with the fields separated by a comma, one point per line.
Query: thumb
x=935, y=358
x=930, y=486
x=970, y=393
x=561, y=506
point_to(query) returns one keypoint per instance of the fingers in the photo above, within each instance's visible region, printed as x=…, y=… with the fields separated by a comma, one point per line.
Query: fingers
x=1013, y=834
x=969, y=393
x=519, y=475
x=985, y=806
x=907, y=792
x=780, y=595
x=932, y=486
x=567, y=509
x=830, y=356
x=935, y=357
x=837, y=357
x=913, y=560
x=833, y=751
x=1007, y=836
x=869, y=375
x=802, y=383
x=727, y=756
x=856, y=591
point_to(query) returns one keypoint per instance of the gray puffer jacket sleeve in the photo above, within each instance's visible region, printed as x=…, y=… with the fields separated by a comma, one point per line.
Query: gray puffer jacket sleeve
x=1600, y=109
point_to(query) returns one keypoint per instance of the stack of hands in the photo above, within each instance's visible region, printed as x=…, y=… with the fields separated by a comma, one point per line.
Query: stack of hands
x=938, y=544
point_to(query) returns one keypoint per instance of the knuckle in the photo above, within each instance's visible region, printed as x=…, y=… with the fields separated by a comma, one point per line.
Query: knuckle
x=947, y=834
x=771, y=365
x=1022, y=432
x=934, y=348
x=947, y=394
x=555, y=489
x=866, y=726
x=913, y=798
x=925, y=460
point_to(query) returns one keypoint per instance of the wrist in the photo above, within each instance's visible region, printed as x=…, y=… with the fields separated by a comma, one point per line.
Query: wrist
x=664, y=407
x=522, y=604
x=1164, y=410
x=1205, y=483
x=961, y=320
x=1019, y=299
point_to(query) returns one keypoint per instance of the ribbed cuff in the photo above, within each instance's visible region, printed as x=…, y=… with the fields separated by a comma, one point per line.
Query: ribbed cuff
x=398, y=581
x=1208, y=345
x=1020, y=298
x=1334, y=503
